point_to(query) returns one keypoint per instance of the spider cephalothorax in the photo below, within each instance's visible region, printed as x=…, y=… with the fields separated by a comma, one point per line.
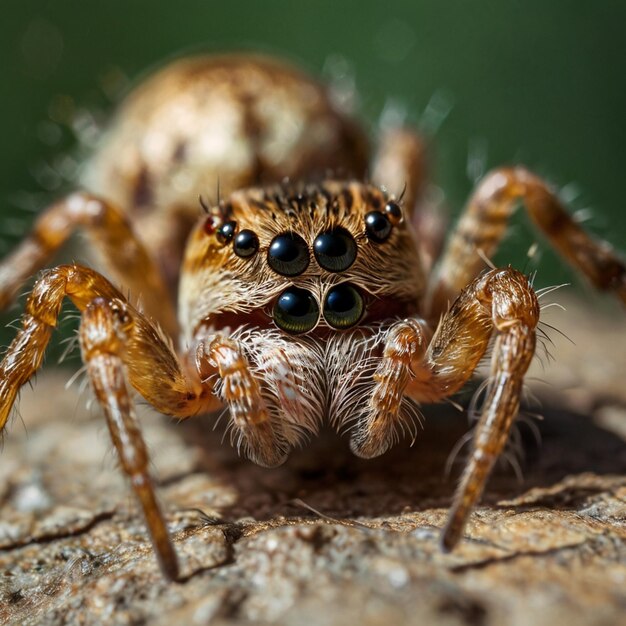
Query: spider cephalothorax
x=325, y=250
x=298, y=302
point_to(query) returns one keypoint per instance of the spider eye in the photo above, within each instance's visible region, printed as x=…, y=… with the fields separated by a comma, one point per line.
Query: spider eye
x=226, y=232
x=343, y=306
x=377, y=226
x=288, y=254
x=393, y=212
x=335, y=250
x=296, y=311
x=211, y=224
x=246, y=244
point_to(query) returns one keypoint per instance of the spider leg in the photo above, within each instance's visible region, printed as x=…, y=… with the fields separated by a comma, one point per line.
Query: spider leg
x=153, y=368
x=500, y=301
x=484, y=222
x=117, y=343
x=111, y=232
x=265, y=382
x=400, y=165
x=375, y=429
x=101, y=336
x=241, y=391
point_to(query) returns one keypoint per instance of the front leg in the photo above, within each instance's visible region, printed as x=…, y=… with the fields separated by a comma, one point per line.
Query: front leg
x=377, y=427
x=103, y=331
x=270, y=385
x=153, y=367
x=500, y=301
x=117, y=343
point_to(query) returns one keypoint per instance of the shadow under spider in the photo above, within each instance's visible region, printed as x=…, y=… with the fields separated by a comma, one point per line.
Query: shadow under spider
x=329, y=478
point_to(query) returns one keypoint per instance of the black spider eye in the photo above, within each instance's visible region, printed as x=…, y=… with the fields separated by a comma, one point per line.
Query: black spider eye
x=335, y=250
x=246, y=244
x=226, y=232
x=393, y=212
x=343, y=306
x=377, y=226
x=288, y=254
x=296, y=311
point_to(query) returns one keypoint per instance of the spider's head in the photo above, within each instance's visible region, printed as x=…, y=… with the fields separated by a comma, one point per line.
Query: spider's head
x=309, y=258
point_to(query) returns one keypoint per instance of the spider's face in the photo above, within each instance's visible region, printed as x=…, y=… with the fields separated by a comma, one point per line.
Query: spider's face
x=306, y=259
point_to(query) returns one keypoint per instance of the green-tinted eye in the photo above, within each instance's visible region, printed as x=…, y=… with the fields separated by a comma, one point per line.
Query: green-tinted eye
x=296, y=311
x=343, y=306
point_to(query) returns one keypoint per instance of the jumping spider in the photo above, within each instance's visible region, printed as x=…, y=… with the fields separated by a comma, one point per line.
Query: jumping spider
x=298, y=301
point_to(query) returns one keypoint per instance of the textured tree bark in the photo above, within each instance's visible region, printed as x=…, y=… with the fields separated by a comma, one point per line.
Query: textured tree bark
x=550, y=550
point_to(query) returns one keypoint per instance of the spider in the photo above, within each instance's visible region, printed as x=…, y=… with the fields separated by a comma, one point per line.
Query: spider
x=303, y=296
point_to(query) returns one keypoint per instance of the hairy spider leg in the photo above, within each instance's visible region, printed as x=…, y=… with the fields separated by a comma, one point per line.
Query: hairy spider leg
x=376, y=429
x=241, y=391
x=111, y=232
x=269, y=386
x=100, y=339
x=500, y=301
x=484, y=223
x=400, y=165
x=117, y=341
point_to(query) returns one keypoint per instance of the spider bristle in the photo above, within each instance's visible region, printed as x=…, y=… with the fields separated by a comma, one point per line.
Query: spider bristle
x=458, y=446
x=550, y=305
x=75, y=376
x=560, y=332
x=526, y=419
x=454, y=404
x=203, y=205
x=402, y=193
x=71, y=345
x=509, y=457
x=546, y=290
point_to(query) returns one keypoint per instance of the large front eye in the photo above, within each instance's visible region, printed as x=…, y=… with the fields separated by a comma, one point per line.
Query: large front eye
x=296, y=311
x=343, y=306
x=335, y=250
x=288, y=254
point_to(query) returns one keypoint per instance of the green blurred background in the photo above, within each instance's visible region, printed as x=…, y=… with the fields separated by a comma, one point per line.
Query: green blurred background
x=534, y=81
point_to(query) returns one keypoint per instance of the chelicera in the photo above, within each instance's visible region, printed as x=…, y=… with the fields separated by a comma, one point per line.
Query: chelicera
x=301, y=295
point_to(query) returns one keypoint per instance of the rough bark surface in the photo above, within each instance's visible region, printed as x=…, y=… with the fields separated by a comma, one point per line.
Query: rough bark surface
x=549, y=550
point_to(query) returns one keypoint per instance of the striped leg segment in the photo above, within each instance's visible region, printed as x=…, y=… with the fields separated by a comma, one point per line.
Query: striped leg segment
x=25, y=354
x=152, y=366
x=222, y=360
x=384, y=414
x=113, y=236
x=273, y=387
x=484, y=223
x=400, y=165
x=500, y=302
x=118, y=343
x=102, y=333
